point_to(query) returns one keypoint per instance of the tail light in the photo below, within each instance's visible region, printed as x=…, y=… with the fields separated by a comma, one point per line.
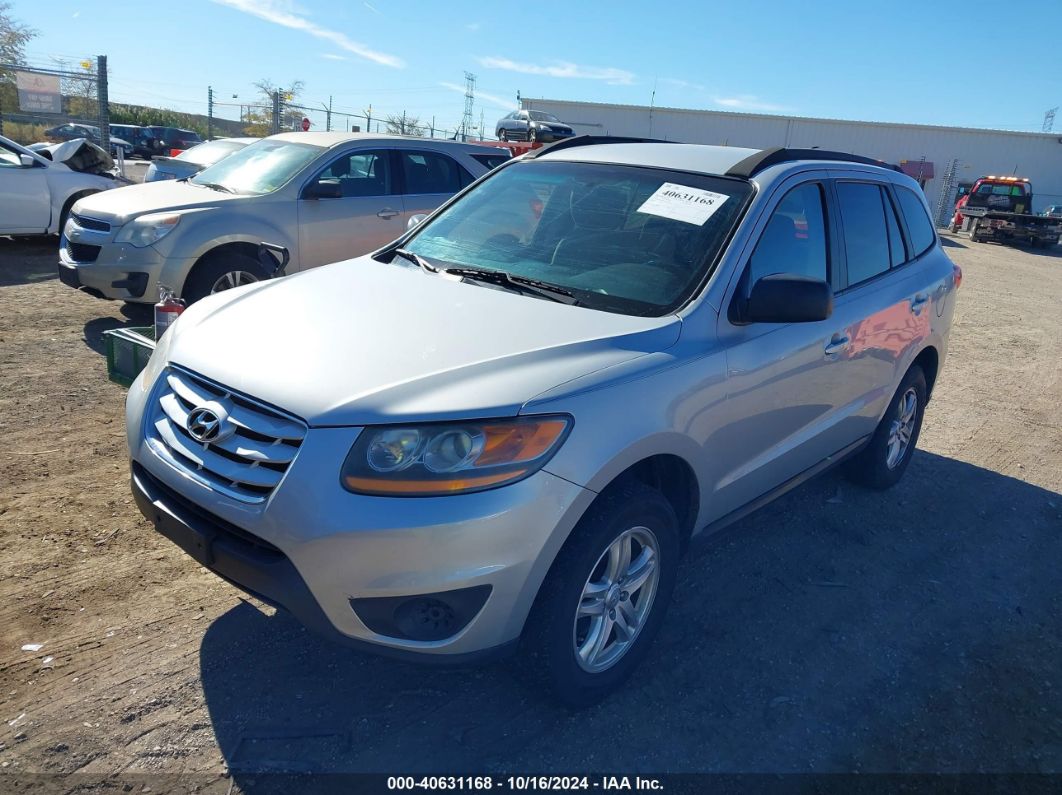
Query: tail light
x=957, y=271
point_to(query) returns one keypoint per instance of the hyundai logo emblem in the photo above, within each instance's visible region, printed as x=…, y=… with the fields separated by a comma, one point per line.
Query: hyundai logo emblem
x=206, y=424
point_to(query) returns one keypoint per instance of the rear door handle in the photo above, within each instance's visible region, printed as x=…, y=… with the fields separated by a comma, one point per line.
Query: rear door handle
x=837, y=345
x=918, y=302
x=387, y=212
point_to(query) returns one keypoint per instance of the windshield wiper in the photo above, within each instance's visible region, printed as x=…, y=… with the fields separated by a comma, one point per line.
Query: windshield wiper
x=417, y=260
x=216, y=186
x=553, y=292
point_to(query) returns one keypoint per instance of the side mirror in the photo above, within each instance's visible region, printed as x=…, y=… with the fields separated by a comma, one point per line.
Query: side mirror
x=414, y=220
x=325, y=189
x=27, y=161
x=788, y=298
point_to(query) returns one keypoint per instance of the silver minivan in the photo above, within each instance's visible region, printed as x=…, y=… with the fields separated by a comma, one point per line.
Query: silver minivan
x=323, y=196
x=502, y=431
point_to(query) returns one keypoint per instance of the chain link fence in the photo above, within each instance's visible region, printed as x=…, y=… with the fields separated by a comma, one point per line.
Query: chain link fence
x=54, y=104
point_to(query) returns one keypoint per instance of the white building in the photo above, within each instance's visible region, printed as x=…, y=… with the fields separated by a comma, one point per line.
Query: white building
x=925, y=152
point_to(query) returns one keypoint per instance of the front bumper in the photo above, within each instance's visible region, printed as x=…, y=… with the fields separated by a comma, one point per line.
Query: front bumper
x=333, y=550
x=91, y=261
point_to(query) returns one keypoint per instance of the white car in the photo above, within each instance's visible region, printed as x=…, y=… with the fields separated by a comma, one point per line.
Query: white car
x=37, y=189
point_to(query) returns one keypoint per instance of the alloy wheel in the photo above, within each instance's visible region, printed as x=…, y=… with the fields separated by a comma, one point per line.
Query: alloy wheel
x=233, y=279
x=616, y=599
x=902, y=428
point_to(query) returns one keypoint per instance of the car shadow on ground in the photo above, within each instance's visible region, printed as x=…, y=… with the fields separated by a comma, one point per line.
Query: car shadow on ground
x=28, y=260
x=835, y=630
x=136, y=316
x=951, y=242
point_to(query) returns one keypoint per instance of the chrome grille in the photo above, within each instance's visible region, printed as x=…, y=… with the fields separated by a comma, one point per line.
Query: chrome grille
x=246, y=465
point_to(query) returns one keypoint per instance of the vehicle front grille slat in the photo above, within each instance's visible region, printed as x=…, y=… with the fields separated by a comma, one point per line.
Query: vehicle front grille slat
x=252, y=455
x=90, y=223
x=82, y=252
x=251, y=449
x=197, y=394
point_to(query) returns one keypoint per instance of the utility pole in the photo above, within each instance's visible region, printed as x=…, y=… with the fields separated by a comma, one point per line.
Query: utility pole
x=328, y=116
x=210, y=112
x=470, y=99
x=276, y=112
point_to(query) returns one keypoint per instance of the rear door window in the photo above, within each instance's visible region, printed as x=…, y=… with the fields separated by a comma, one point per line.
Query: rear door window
x=866, y=237
x=794, y=240
x=918, y=224
x=430, y=172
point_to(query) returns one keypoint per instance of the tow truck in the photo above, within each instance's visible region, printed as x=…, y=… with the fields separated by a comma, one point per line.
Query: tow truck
x=1000, y=208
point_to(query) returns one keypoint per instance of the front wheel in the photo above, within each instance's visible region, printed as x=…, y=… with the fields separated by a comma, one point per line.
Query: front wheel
x=606, y=595
x=883, y=461
x=503, y=135
x=219, y=272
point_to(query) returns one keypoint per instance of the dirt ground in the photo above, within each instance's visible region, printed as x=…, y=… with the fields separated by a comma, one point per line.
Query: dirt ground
x=836, y=630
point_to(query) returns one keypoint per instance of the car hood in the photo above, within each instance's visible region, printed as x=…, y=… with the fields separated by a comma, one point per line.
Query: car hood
x=79, y=154
x=120, y=206
x=363, y=342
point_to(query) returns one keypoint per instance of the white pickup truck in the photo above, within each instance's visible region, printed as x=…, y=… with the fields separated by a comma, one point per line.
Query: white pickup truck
x=37, y=189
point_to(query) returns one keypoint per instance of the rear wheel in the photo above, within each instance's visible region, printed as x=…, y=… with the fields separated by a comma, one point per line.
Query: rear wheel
x=883, y=461
x=220, y=272
x=503, y=135
x=606, y=595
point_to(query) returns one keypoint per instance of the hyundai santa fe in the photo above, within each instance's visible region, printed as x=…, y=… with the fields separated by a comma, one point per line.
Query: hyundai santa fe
x=502, y=430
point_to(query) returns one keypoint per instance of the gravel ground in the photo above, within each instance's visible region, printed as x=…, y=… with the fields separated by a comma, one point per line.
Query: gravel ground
x=835, y=630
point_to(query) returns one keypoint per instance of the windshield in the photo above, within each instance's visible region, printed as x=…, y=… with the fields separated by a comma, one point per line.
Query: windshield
x=210, y=152
x=259, y=168
x=621, y=238
x=539, y=115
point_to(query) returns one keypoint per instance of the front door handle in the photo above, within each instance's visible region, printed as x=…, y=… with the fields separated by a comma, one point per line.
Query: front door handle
x=387, y=212
x=918, y=303
x=837, y=345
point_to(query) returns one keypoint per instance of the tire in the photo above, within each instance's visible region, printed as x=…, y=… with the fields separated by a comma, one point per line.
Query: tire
x=503, y=135
x=880, y=465
x=532, y=136
x=214, y=268
x=628, y=510
x=64, y=214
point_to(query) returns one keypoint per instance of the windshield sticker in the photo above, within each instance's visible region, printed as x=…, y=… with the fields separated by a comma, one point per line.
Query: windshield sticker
x=682, y=203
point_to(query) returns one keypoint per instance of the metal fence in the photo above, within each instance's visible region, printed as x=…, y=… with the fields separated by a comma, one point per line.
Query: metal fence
x=35, y=99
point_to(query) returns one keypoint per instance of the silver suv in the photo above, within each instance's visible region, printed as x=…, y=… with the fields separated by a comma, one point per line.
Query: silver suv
x=323, y=196
x=508, y=425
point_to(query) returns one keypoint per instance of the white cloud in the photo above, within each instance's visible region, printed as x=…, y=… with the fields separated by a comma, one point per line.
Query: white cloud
x=563, y=69
x=490, y=100
x=372, y=8
x=674, y=81
x=331, y=56
x=286, y=15
x=746, y=102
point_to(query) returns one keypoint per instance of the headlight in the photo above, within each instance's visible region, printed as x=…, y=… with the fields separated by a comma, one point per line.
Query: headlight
x=148, y=229
x=451, y=457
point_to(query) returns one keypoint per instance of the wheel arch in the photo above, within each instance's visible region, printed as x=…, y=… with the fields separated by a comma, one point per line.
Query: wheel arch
x=929, y=360
x=69, y=202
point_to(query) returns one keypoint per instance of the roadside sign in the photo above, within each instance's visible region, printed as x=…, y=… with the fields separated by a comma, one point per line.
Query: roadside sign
x=38, y=93
x=305, y=124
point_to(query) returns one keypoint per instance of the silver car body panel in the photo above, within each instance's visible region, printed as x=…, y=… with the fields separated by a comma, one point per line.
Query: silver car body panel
x=748, y=407
x=211, y=219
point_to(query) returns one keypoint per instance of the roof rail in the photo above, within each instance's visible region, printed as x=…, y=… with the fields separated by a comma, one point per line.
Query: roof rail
x=591, y=140
x=754, y=164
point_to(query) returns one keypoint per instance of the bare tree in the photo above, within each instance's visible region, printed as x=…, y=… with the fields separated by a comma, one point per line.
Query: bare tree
x=289, y=117
x=404, y=125
x=14, y=36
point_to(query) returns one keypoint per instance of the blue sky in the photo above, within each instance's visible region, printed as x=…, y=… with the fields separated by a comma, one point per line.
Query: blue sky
x=890, y=60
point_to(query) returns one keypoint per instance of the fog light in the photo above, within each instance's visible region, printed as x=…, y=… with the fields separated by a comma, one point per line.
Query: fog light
x=425, y=617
